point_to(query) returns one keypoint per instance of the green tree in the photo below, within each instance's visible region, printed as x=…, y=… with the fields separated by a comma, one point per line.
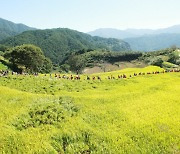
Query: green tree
x=157, y=62
x=174, y=57
x=28, y=57
x=65, y=67
x=47, y=66
x=76, y=63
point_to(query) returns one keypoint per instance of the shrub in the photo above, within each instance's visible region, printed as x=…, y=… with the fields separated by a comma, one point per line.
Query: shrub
x=157, y=62
x=51, y=112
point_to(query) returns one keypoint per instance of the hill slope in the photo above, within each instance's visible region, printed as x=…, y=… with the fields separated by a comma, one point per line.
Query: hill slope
x=57, y=42
x=133, y=115
x=8, y=28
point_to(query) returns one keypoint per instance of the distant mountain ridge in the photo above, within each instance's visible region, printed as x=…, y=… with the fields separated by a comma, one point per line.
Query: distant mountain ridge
x=57, y=42
x=154, y=42
x=144, y=39
x=8, y=28
x=129, y=33
x=111, y=33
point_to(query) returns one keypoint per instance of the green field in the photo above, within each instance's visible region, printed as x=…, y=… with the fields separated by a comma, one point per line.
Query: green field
x=133, y=115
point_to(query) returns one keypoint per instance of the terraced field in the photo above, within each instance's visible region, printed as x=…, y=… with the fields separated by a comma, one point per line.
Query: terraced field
x=133, y=115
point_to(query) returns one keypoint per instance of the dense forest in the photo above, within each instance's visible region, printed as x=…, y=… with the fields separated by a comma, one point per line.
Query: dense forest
x=55, y=43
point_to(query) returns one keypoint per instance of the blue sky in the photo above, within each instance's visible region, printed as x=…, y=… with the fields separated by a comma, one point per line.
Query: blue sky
x=88, y=15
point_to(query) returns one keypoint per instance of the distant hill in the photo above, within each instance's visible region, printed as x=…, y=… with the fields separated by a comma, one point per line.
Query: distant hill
x=144, y=39
x=57, y=42
x=171, y=30
x=111, y=33
x=154, y=42
x=129, y=33
x=8, y=28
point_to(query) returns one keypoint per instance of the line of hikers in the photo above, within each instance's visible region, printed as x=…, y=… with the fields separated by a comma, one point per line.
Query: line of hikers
x=123, y=76
x=71, y=77
x=77, y=77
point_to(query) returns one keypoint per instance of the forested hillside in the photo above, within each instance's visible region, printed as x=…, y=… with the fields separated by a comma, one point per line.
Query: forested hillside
x=8, y=28
x=55, y=43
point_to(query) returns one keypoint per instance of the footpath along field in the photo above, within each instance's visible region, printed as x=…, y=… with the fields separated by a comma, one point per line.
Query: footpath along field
x=133, y=115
